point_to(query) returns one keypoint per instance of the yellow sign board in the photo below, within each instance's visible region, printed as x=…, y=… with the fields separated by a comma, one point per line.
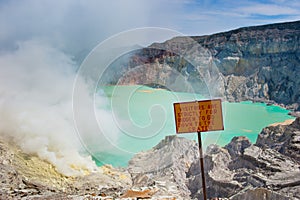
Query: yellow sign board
x=198, y=116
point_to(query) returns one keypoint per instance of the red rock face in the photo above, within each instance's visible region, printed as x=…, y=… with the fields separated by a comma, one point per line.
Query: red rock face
x=148, y=74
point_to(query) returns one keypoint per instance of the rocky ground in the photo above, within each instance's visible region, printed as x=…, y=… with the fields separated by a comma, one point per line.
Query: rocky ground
x=240, y=170
x=268, y=169
x=25, y=176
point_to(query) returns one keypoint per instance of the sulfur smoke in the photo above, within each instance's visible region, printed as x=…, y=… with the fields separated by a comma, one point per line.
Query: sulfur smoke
x=37, y=75
x=36, y=83
x=37, y=71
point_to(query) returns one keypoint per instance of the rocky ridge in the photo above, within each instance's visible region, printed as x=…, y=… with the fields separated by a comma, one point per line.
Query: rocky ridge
x=259, y=63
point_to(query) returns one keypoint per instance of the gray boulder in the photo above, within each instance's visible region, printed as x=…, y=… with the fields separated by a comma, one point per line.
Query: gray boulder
x=282, y=138
x=165, y=166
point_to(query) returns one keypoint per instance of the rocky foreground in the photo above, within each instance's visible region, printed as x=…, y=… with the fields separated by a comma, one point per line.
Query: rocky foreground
x=268, y=169
x=24, y=176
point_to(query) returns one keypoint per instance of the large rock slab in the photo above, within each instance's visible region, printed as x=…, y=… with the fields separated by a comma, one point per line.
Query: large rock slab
x=259, y=193
x=282, y=138
x=241, y=167
x=165, y=166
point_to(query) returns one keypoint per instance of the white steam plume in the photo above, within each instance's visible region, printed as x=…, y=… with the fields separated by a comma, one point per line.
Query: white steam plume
x=36, y=83
x=36, y=78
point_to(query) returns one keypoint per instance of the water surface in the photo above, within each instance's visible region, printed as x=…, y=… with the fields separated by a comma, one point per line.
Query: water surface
x=145, y=116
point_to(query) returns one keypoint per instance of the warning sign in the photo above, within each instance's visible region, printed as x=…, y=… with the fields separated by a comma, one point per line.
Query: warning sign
x=198, y=116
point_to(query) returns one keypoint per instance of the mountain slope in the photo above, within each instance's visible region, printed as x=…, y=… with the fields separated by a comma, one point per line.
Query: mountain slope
x=260, y=63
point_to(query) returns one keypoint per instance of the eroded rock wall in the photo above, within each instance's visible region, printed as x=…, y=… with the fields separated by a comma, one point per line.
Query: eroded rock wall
x=259, y=63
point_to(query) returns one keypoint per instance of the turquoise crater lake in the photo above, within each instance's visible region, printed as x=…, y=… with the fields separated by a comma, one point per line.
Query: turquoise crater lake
x=145, y=115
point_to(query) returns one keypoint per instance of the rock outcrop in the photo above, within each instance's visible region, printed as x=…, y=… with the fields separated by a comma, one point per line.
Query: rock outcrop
x=268, y=169
x=263, y=165
x=284, y=139
x=259, y=193
x=259, y=63
x=240, y=170
x=165, y=167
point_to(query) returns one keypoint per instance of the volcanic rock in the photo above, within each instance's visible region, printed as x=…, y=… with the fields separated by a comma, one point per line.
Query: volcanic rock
x=259, y=63
x=28, y=177
x=282, y=138
x=165, y=166
x=238, y=170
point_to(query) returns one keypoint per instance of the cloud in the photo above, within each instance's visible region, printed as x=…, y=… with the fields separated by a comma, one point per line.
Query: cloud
x=267, y=10
x=78, y=26
x=206, y=17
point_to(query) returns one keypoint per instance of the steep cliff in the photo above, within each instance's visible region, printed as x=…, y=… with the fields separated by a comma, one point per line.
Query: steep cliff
x=268, y=56
x=260, y=63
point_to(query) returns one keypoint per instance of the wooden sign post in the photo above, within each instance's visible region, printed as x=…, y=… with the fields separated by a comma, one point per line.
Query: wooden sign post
x=199, y=116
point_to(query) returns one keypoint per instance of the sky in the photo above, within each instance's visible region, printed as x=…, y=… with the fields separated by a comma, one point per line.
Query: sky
x=76, y=26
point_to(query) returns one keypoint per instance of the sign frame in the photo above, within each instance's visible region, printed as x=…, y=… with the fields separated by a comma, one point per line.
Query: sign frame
x=199, y=116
